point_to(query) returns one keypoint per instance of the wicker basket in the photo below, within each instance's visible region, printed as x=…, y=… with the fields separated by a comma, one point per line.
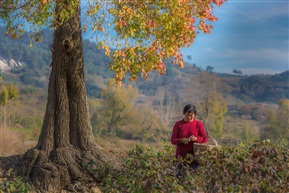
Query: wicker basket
x=202, y=147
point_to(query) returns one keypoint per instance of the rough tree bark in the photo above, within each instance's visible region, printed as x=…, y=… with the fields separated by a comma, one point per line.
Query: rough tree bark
x=66, y=141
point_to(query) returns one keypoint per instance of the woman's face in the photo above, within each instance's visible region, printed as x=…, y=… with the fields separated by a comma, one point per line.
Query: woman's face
x=189, y=116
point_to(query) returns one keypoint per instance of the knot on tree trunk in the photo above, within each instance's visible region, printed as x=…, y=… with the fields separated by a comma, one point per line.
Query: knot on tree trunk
x=67, y=45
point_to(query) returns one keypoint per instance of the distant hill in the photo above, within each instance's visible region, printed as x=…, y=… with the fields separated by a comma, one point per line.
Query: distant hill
x=35, y=67
x=259, y=88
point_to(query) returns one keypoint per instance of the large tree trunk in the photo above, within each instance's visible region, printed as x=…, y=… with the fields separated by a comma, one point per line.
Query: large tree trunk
x=66, y=144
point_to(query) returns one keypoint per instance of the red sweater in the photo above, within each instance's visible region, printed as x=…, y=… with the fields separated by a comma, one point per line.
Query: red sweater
x=183, y=129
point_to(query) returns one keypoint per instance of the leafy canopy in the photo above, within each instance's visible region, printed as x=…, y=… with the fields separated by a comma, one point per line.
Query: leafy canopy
x=142, y=33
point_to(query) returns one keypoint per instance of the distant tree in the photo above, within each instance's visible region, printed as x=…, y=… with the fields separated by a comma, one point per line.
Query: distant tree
x=283, y=114
x=7, y=92
x=277, y=123
x=212, y=106
x=166, y=107
x=209, y=69
x=218, y=109
x=3, y=101
x=144, y=125
x=247, y=135
x=208, y=87
x=189, y=58
x=12, y=91
x=117, y=105
x=235, y=71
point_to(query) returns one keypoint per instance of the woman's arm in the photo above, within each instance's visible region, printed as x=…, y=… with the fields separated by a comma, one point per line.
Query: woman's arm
x=175, y=140
x=202, y=135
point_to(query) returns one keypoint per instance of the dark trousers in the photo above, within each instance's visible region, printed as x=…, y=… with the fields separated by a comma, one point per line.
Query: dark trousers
x=193, y=165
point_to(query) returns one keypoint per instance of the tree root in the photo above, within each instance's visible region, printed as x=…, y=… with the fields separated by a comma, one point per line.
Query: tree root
x=65, y=166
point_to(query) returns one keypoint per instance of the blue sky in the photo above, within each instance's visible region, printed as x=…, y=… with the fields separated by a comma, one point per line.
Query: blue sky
x=250, y=35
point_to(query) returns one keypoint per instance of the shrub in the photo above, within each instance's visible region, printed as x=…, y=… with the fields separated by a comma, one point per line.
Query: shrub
x=144, y=170
x=261, y=167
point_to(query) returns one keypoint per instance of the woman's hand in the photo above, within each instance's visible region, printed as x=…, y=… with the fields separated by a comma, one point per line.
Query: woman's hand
x=185, y=140
x=193, y=138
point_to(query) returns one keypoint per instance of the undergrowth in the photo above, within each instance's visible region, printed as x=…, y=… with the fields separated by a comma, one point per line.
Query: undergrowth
x=261, y=167
x=14, y=185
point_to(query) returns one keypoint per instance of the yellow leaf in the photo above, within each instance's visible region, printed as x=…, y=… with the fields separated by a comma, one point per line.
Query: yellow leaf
x=13, y=36
x=84, y=28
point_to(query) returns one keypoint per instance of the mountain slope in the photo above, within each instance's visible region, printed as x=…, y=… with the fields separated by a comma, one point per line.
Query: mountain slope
x=36, y=60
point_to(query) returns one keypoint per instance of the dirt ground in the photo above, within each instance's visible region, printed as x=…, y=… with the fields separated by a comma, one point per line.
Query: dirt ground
x=9, y=168
x=9, y=165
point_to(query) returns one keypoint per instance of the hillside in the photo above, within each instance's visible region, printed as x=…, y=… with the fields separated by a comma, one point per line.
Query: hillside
x=260, y=88
x=31, y=67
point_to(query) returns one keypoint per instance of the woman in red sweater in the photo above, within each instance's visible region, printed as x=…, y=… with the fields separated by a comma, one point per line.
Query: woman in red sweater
x=188, y=131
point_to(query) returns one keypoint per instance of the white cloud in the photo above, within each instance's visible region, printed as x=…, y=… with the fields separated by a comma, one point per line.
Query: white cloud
x=250, y=12
x=262, y=60
x=252, y=54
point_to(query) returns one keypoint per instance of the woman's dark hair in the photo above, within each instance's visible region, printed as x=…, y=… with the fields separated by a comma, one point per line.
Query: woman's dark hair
x=190, y=109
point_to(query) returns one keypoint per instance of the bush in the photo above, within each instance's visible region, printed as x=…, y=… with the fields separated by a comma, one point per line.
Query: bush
x=144, y=170
x=262, y=167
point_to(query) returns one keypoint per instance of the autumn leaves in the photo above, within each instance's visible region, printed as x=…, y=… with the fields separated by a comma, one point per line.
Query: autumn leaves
x=154, y=31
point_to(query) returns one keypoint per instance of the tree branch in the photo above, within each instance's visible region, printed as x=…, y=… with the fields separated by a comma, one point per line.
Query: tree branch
x=9, y=6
